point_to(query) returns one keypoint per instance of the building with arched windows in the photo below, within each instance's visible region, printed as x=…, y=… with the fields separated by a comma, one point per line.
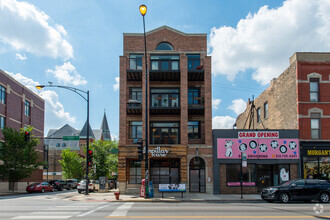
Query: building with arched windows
x=179, y=110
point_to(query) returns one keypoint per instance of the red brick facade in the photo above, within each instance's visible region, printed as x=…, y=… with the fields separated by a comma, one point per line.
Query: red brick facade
x=13, y=112
x=183, y=44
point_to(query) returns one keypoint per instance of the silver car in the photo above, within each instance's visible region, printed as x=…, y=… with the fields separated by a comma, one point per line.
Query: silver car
x=92, y=186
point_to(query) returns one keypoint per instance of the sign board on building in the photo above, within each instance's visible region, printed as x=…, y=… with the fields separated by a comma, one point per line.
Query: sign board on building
x=255, y=148
x=318, y=152
x=258, y=134
x=158, y=152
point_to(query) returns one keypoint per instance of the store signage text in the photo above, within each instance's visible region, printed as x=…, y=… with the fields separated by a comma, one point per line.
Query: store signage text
x=157, y=152
x=258, y=134
x=318, y=152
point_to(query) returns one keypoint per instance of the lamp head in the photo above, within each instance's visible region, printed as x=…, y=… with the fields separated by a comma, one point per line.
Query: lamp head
x=143, y=10
x=40, y=86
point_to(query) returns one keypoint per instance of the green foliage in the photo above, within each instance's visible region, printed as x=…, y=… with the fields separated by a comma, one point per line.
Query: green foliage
x=72, y=164
x=19, y=158
x=104, y=161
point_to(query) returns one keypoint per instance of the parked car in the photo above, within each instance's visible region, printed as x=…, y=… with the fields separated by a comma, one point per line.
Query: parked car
x=39, y=187
x=92, y=186
x=56, y=184
x=300, y=189
x=73, y=183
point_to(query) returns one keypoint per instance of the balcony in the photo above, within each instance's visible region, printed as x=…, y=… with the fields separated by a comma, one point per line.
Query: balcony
x=195, y=68
x=164, y=68
x=165, y=101
x=134, y=107
x=134, y=75
x=195, y=105
x=164, y=133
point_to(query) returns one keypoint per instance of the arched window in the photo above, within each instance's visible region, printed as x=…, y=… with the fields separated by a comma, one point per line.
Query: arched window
x=164, y=46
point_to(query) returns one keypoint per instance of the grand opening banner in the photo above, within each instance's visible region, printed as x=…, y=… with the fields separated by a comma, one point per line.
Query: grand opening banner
x=258, y=148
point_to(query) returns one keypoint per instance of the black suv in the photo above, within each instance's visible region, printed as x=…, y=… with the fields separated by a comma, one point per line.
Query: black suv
x=56, y=184
x=301, y=189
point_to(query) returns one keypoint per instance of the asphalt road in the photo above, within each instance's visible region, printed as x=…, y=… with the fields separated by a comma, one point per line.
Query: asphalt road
x=57, y=205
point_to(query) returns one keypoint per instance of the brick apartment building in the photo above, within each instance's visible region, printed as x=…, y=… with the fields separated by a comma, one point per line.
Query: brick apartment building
x=179, y=110
x=299, y=99
x=20, y=107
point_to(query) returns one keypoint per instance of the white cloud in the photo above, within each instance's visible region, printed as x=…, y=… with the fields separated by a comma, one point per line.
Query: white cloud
x=67, y=74
x=238, y=106
x=265, y=41
x=114, y=137
x=55, y=115
x=216, y=103
x=223, y=122
x=116, y=85
x=26, y=28
x=20, y=57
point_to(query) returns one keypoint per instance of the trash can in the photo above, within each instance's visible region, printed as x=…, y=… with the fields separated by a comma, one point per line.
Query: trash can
x=151, y=190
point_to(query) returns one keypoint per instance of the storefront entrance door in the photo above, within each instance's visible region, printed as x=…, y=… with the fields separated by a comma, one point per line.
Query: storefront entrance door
x=197, y=175
x=264, y=176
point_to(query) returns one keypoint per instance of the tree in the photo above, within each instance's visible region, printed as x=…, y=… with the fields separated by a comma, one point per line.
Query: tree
x=72, y=164
x=19, y=156
x=105, y=158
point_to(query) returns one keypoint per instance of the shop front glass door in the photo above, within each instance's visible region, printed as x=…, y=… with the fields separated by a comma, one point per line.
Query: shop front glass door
x=264, y=176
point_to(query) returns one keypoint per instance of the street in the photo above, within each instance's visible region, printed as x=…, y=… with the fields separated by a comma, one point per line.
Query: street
x=58, y=206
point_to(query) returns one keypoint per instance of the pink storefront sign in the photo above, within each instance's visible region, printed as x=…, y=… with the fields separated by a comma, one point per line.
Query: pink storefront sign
x=279, y=148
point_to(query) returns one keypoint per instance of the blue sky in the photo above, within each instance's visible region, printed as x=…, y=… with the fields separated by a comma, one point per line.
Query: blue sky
x=78, y=43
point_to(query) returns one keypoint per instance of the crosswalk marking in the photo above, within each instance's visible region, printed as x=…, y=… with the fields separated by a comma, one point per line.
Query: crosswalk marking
x=122, y=210
x=87, y=213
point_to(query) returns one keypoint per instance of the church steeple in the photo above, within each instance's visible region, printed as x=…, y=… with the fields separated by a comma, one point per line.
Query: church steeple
x=105, y=129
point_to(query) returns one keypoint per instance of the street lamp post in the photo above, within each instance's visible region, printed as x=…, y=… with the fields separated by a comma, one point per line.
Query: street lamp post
x=79, y=92
x=143, y=11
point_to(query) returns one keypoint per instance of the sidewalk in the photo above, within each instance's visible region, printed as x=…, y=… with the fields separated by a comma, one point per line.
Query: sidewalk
x=168, y=197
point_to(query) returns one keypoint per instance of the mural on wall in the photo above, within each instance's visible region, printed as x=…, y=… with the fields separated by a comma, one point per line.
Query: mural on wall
x=265, y=148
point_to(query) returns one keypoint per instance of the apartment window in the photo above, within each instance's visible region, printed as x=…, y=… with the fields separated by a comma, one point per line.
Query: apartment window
x=27, y=108
x=165, y=97
x=193, y=62
x=258, y=115
x=135, y=62
x=266, y=110
x=194, y=96
x=164, y=133
x=315, y=126
x=165, y=62
x=164, y=46
x=135, y=128
x=135, y=94
x=134, y=172
x=2, y=95
x=314, y=90
x=2, y=122
x=194, y=130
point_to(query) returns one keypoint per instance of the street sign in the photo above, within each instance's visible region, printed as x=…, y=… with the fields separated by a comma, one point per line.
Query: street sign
x=244, y=156
x=244, y=163
x=70, y=138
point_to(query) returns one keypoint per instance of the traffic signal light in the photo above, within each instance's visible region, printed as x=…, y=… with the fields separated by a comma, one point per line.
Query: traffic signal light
x=140, y=149
x=90, y=157
x=27, y=136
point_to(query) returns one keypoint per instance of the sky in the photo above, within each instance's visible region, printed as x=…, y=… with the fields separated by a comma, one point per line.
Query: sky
x=77, y=43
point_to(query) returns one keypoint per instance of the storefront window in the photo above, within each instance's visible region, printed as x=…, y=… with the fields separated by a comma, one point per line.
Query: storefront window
x=311, y=168
x=234, y=174
x=281, y=174
x=324, y=168
x=165, y=171
x=134, y=172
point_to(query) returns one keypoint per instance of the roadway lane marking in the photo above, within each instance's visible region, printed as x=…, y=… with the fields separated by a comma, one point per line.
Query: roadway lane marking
x=54, y=213
x=121, y=210
x=87, y=213
x=218, y=217
x=42, y=217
